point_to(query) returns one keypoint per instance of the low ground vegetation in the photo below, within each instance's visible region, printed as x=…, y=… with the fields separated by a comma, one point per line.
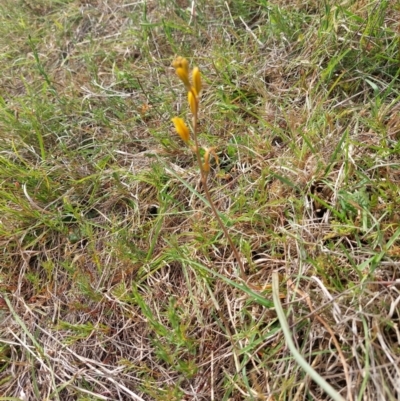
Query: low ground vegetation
x=116, y=282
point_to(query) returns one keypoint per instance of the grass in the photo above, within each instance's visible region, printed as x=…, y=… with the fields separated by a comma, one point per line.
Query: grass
x=116, y=282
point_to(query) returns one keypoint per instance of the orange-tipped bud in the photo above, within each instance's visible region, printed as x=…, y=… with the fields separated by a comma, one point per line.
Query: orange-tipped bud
x=192, y=99
x=181, y=128
x=181, y=66
x=196, y=80
x=206, y=164
x=181, y=62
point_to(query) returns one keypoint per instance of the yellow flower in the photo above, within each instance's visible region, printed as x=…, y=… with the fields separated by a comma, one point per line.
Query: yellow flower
x=192, y=101
x=196, y=80
x=181, y=66
x=181, y=128
x=184, y=76
x=181, y=62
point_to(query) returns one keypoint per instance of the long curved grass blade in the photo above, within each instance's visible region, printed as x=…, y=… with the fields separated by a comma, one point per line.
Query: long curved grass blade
x=289, y=341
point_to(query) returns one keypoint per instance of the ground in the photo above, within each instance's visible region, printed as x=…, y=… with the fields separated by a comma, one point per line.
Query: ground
x=117, y=281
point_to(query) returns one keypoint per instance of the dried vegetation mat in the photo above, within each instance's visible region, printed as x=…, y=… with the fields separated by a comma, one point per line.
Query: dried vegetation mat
x=116, y=283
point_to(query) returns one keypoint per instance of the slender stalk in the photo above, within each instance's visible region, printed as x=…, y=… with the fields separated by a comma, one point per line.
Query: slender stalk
x=204, y=176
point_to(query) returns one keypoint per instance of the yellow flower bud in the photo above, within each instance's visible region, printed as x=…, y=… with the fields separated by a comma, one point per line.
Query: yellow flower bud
x=181, y=66
x=184, y=76
x=181, y=128
x=192, y=101
x=196, y=80
x=206, y=164
x=181, y=62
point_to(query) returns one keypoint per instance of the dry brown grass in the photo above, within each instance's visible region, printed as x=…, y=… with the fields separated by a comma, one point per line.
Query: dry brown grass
x=116, y=282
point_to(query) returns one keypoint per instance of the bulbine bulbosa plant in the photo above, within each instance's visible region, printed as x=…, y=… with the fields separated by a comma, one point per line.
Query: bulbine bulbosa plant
x=190, y=137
